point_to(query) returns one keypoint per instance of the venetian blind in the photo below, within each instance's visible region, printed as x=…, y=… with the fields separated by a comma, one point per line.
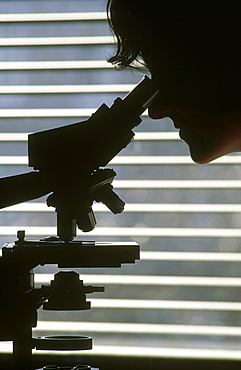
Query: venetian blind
x=182, y=299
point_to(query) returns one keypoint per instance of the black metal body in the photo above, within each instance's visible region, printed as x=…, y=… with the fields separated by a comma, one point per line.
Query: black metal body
x=68, y=163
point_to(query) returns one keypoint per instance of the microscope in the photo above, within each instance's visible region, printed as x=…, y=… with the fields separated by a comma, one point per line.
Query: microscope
x=69, y=163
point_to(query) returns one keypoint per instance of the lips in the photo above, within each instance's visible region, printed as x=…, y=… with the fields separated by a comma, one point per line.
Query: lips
x=178, y=120
x=177, y=125
x=184, y=133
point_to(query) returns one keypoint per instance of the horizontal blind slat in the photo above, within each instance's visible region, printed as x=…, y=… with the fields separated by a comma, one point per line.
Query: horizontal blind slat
x=156, y=304
x=138, y=136
x=164, y=304
x=171, y=232
x=146, y=280
x=45, y=112
x=133, y=231
x=58, y=64
x=52, y=17
x=108, y=327
x=63, y=89
x=154, y=160
x=138, y=207
x=56, y=41
x=190, y=256
x=177, y=184
x=142, y=160
x=147, y=351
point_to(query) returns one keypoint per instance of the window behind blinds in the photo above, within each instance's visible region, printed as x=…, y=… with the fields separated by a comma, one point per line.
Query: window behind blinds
x=182, y=299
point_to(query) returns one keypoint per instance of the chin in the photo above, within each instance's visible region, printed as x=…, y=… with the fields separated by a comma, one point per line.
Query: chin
x=204, y=156
x=200, y=160
x=201, y=150
x=204, y=151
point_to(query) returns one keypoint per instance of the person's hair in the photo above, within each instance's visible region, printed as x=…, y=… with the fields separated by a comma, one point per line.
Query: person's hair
x=144, y=21
x=120, y=17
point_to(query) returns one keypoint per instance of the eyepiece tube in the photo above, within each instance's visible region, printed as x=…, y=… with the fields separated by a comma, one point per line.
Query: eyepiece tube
x=141, y=97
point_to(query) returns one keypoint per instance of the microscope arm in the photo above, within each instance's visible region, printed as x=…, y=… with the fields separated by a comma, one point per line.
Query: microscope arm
x=21, y=188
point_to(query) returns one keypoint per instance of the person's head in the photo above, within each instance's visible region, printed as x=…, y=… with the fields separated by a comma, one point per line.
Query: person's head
x=193, y=51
